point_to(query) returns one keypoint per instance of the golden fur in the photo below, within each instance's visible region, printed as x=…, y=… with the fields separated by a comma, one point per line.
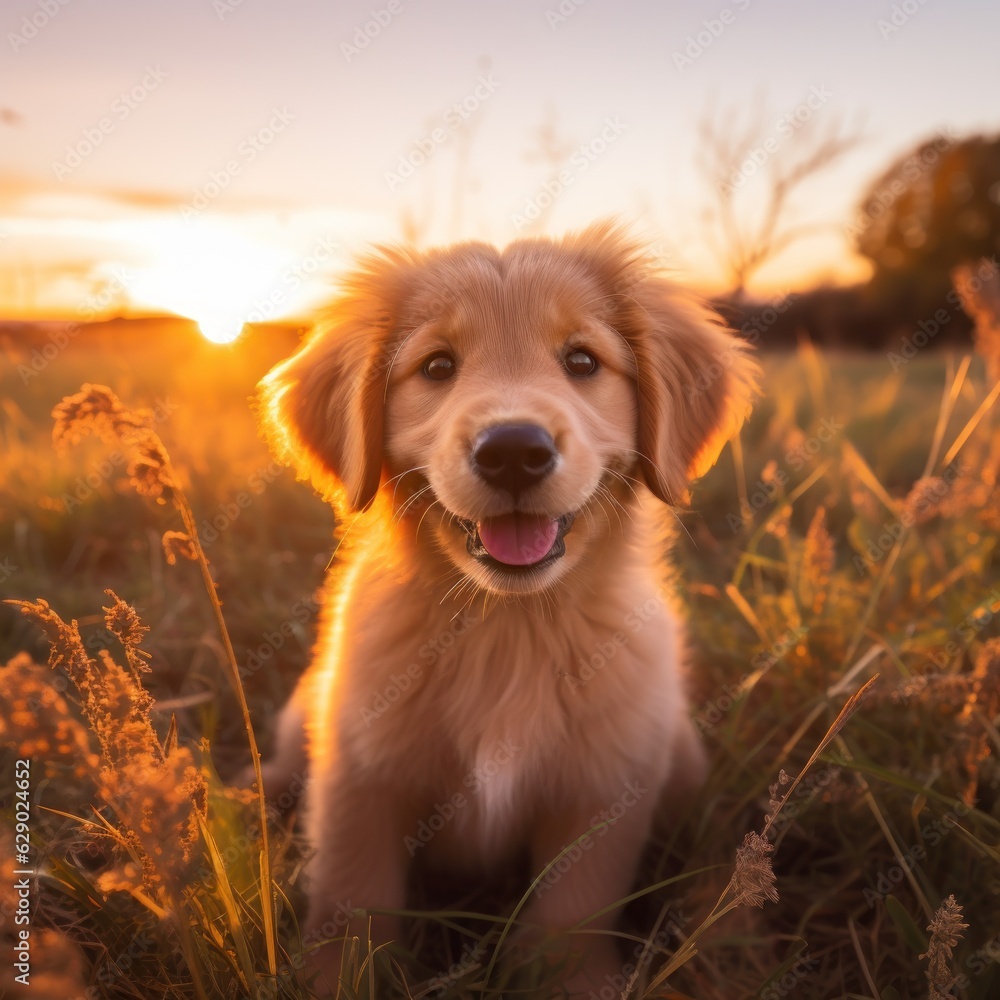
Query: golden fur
x=458, y=711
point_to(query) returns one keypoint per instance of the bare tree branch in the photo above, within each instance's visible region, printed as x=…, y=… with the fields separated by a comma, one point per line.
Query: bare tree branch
x=735, y=158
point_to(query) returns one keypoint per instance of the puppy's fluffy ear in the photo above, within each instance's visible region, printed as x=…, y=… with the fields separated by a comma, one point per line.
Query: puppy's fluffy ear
x=322, y=408
x=696, y=383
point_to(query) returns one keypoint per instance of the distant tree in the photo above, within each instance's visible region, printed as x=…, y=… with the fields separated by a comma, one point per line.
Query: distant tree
x=754, y=163
x=934, y=209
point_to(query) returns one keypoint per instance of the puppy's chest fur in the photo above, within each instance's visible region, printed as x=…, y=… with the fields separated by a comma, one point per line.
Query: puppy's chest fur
x=482, y=718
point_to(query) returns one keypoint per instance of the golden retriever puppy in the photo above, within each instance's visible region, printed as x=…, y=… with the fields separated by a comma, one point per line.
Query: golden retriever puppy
x=505, y=435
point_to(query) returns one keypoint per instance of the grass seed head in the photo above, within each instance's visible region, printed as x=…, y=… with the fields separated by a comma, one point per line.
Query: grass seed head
x=122, y=621
x=158, y=797
x=178, y=545
x=818, y=561
x=37, y=721
x=923, y=502
x=753, y=880
x=160, y=801
x=946, y=930
x=774, y=791
x=981, y=301
x=66, y=649
x=95, y=409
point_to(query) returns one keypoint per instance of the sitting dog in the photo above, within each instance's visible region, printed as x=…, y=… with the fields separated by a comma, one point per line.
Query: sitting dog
x=506, y=437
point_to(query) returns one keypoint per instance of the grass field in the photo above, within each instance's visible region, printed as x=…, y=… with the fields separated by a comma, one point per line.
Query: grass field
x=841, y=538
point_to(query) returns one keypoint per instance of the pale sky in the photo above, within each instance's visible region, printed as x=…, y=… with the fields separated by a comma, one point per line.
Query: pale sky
x=226, y=157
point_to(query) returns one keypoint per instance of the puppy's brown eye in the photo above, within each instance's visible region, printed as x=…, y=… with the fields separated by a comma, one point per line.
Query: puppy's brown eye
x=439, y=367
x=580, y=363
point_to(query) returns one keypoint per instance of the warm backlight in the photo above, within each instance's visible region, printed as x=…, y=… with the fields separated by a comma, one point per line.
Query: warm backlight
x=213, y=274
x=220, y=331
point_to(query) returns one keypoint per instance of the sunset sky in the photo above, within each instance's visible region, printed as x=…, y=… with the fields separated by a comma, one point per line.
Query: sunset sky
x=222, y=159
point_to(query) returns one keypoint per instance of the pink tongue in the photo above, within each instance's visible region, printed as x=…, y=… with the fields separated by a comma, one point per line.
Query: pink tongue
x=518, y=539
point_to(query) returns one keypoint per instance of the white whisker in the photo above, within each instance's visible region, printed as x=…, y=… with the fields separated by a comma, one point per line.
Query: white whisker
x=410, y=501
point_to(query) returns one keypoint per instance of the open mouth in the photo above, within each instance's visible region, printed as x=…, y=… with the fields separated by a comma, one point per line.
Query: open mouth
x=517, y=542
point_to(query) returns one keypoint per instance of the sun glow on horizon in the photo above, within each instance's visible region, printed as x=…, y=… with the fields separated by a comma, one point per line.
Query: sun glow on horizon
x=223, y=270
x=92, y=256
x=221, y=332
x=212, y=273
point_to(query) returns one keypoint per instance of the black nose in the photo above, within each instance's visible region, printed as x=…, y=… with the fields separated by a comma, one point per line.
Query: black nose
x=514, y=457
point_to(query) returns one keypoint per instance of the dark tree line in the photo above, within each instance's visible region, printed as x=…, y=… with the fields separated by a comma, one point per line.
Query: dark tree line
x=934, y=213
x=933, y=210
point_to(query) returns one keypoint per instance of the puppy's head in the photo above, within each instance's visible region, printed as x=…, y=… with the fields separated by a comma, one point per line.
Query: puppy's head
x=511, y=404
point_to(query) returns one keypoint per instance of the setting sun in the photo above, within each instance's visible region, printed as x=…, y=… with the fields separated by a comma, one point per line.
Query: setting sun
x=209, y=271
x=221, y=332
